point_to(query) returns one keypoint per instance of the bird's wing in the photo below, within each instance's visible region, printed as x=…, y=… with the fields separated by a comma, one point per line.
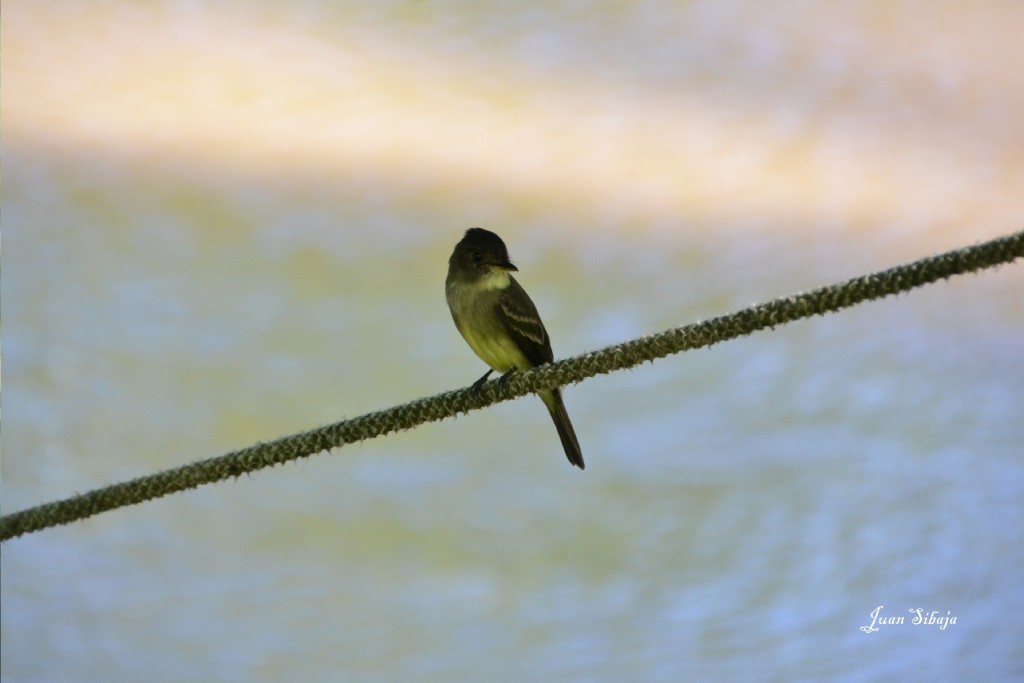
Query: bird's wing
x=522, y=322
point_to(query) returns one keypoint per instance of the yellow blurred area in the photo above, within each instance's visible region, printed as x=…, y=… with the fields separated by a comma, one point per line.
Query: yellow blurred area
x=866, y=111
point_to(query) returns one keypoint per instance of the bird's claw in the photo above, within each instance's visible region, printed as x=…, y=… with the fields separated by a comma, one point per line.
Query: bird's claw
x=478, y=385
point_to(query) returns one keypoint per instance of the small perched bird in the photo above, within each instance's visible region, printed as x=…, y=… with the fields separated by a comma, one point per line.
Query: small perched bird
x=499, y=321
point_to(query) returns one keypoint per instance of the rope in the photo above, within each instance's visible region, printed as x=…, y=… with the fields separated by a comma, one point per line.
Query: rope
x=449, y=404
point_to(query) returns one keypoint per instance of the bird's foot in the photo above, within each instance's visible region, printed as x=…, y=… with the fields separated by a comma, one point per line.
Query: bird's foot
x=478, y=385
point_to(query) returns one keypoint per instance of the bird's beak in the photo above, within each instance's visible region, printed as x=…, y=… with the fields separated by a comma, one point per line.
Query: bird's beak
x=505, y=265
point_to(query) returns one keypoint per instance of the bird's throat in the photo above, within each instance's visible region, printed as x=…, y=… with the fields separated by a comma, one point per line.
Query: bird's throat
x=495, y=279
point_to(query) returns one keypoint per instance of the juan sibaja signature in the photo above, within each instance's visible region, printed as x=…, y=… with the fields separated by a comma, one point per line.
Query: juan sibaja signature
x=919, y=618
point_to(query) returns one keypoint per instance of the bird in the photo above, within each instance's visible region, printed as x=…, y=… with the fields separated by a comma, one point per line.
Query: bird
x=500, y=323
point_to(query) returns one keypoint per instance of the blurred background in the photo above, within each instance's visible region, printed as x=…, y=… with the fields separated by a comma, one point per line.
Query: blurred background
x=227, y=222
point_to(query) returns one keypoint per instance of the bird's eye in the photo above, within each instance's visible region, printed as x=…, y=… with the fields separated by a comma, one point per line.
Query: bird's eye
x=478, y=257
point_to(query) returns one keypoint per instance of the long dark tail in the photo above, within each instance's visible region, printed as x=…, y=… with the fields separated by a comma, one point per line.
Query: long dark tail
x=553, y=400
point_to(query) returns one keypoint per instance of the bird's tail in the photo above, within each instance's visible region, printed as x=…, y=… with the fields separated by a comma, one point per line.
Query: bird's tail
x=553, y=400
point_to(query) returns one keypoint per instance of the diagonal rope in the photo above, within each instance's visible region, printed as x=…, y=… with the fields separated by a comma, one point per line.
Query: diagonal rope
x=449, y=404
